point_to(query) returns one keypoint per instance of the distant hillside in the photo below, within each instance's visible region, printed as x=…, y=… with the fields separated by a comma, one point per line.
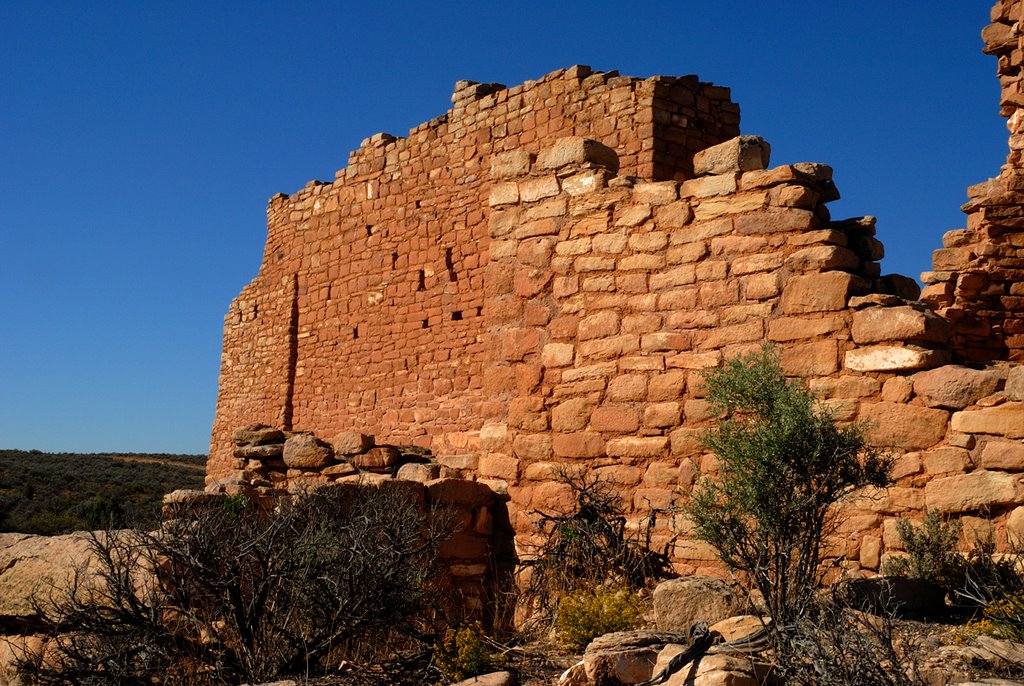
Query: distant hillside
x=54, y=493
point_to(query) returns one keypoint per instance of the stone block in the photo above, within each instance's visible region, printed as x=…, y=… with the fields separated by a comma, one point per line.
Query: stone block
x=577, y=151
x=380, y=458
x=419, y=471
x=1002, y=420
x=819, y=358
x=906, y=427
x=678, y=603
x=825, y=292
x=638, y=446
x=893, y=358
x=1015, y=383
x=510, y=164
x=532, y=447
x=615, y=418
x=579, y=444
x=499, y=466
x=571, y=415
x=306, y=451
x=256, y=434
x=953, y=386
x=351, y=443
x=740, y=154
x=972, y=491
x=945, y=460
x=600, y=325
x=999, y=453
x=822, y=258
x=876, y=324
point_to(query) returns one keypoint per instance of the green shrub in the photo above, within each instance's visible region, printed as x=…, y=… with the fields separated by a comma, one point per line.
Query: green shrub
x=584, y=615
x=931, y=552
x=783, y=463
x=463, y=653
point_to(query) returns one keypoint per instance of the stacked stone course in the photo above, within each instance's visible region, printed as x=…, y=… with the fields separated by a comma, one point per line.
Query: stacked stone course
x=603, y=240
x=977, y=281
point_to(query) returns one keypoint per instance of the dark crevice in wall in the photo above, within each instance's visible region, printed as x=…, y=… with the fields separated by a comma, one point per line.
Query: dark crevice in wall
x=293, y=357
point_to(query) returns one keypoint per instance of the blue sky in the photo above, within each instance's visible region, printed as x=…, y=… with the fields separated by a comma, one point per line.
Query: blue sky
x=139, y=142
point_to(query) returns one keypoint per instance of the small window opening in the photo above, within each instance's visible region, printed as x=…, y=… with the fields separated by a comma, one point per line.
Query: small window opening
x=421, y=280
x=450, y=265
x=426, y=324
x=394, y=260
x=457, y=316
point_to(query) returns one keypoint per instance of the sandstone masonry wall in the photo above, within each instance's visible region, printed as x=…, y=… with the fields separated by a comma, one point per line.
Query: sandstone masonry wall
x=977, y=280
x=367, y=312
x=596, y=272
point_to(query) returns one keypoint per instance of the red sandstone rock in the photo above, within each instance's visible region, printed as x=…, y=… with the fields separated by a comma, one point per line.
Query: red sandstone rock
x=382, y=457
x=891, y=358
x=953, y=386
x=907, y=427
x=971, y=491
x=351, y=443
x=306, y=451
x=256, y=434
x=740, y=154
x=1003, y=420
x=876, y=324
x=826, y=292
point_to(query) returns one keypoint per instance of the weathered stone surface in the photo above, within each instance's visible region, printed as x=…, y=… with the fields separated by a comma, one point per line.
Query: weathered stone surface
x=998, y=453
x=256, y=434
x=351, y=443
x=260, y=452
x=678, y=603
x=953, y=386
x=713, y=670
x=907, y=427
x=416, y=471
x=825, y=292
x=971, y=491
x=576, y=150
x=1015, y=383
x=876, y=324
x=625, y=666
x=35, y=563
x=740, y=154
x=492, y=679
x=306, y=451
x=1003, y=420
x=893, y=358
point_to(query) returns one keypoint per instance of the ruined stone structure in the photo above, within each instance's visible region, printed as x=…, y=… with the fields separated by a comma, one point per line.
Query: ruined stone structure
x=536, y=279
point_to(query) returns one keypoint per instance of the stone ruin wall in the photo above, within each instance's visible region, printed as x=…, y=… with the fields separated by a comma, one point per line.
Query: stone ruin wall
x=598, y=265
x=977, y=281
x=368, y=310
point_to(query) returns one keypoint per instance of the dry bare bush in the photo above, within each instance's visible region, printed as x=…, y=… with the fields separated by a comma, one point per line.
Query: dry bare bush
x=238, y=592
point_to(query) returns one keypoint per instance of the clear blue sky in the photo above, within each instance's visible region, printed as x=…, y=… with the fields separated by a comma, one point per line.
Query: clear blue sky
x=139, y=142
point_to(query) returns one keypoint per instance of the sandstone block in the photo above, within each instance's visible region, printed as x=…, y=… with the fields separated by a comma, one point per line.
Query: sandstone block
x=615, y=418
x=257, y=434
x=527, y=414
x=662, y=414
x=571, y=415
x=579, y=444
x=534, y=189
x=351, y=443
x=998, y=453
x=1015, y=383
x=638, y=446
x=876, y=324
x=499, y=466
x=532, y=447
x=907, y=427
x=599, y=325
x=891, y=358
x=510, y=164
x=380, y=458
x=306, y=451
x=678, y=603
x=259, y=452
x=577, y=151
x=740, y=154
x=819, y=358
x=419, y=471
x=825, y=292
x=503, y=194
x=971, y=491
x=656, y=192
x=946, y=459
x=1002, y=420
x=822, y=258
x=712, y=670
x=953, y=386
x=619, y=666
x=707, y=186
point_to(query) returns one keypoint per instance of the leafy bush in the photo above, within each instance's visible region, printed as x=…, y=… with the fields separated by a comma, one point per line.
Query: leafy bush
x=244, y=593
x=463, y=653
x=931, y=552
x=783, y=463
x=584, y=615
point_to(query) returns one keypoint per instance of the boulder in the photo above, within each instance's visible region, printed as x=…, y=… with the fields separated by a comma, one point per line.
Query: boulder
x=306, y=451
x=876, y=324
x=36, y=564
x=678, y=603
x=351, y=443
x=257, y=434
x=711, y=670
x=612, y=667
x=953, y=386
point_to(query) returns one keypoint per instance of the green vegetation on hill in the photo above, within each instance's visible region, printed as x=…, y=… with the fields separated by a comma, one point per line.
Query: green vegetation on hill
x=54, y=493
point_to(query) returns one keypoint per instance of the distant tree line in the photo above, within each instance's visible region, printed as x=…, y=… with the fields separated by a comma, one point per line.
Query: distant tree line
x=55, y=493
